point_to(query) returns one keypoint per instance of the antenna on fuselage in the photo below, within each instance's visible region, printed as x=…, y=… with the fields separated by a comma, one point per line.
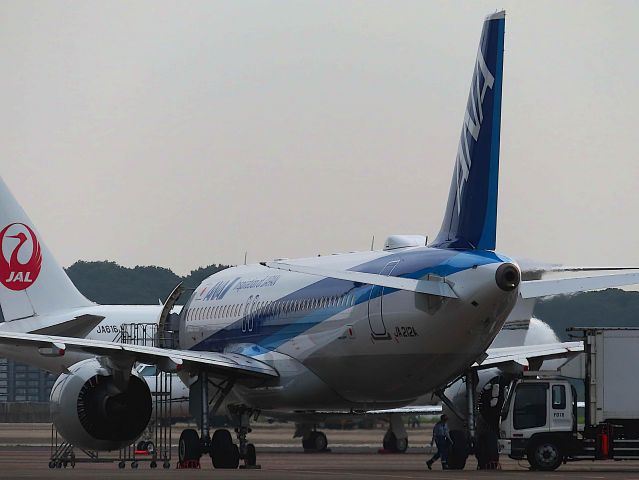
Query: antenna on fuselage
x=373, y=243
x=245, y=254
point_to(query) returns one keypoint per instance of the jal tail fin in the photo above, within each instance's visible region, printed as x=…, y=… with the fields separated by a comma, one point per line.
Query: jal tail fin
x=31, y=281
x=471, y=214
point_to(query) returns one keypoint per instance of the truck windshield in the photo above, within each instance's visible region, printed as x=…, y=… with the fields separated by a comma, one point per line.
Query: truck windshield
x=530, y=406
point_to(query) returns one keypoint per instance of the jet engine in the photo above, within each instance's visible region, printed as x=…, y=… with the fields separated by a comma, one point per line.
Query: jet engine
x=92, y=411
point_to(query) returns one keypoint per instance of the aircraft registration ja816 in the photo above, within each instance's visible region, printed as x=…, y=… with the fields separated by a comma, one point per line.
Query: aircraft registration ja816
x=297, y=338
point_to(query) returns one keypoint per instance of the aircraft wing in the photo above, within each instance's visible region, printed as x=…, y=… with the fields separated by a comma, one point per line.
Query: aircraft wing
x=529, y=354
x=431, y=287
x=559, y=286
x=409, y=410
x=226, y=364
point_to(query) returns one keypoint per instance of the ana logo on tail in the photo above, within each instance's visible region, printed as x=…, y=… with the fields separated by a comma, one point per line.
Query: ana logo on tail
x=473, y=118
x=14, y=274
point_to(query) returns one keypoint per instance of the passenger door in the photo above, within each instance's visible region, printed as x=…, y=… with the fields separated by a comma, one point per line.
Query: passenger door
x=376, y=305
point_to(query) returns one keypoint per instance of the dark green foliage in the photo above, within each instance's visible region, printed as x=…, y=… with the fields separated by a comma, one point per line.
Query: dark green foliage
x=605, y=308
x=109, y=283
x=193, y=279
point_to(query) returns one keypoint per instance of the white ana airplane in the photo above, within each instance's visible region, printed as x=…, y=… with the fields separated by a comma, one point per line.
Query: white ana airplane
x=348, y=332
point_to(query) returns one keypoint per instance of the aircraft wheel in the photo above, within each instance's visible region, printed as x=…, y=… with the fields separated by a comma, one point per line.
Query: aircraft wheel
x=487, y=451
x=458, y=450
x=315, y=442
x=224, y=453
x=393, y=444
x=189, y=446
x=251, y=455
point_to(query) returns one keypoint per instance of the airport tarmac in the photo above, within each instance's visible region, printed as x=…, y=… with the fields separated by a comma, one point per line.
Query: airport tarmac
x=354, y=455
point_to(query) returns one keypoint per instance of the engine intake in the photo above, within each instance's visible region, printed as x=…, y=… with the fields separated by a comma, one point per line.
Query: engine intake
x=90, y=412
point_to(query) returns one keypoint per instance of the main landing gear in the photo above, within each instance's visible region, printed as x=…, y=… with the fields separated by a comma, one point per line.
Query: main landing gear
x=396, y=438
x=313, y=441
x=220, y=447
x=467, y=441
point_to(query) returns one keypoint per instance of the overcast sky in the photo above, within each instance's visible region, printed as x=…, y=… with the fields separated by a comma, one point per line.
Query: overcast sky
x=186, y=133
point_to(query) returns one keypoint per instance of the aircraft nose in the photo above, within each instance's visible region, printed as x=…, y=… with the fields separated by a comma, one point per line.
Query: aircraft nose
x=507, y=277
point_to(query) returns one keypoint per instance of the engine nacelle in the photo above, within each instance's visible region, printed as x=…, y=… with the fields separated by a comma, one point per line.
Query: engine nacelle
x=90, y=412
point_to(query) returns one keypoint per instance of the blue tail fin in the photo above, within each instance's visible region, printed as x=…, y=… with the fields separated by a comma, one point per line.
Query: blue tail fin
x=471, y=215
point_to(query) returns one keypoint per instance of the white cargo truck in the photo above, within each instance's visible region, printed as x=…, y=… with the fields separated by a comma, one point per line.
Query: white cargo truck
x=540, y=419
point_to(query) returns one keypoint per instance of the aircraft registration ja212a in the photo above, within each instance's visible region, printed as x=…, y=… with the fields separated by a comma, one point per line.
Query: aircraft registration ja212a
x=348, y=332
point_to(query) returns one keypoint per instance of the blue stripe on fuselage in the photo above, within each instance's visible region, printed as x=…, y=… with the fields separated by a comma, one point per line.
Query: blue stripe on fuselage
x=272, y=330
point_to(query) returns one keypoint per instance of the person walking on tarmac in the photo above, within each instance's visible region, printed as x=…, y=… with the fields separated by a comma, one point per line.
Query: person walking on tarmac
x=441, y=437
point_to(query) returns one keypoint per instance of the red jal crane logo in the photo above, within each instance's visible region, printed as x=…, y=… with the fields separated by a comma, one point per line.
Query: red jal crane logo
x=14, y=274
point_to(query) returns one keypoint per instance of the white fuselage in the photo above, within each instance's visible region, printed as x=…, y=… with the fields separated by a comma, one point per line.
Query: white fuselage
x=340, y=344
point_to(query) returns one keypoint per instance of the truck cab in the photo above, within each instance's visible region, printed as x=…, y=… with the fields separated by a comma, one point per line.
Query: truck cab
x=539, y=421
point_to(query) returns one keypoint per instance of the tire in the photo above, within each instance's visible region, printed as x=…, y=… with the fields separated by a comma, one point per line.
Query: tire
x=319, y=441
x=251, y=455
x=315, y=442
x=224, y=453
x=401, y=445
x=458, y=450
x=544, y=455
x=189, y=446
x=393, y=444
x=487, y=450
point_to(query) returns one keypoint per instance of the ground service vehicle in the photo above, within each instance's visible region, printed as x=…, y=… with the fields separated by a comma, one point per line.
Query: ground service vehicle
x=539, y=419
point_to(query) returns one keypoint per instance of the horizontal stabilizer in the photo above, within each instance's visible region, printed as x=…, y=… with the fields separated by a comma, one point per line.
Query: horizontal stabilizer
x=560, y=286
x=523, y=355
x=430, y=287
x=78, y=327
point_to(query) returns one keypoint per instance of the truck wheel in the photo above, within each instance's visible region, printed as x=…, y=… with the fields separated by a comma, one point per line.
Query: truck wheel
x=544, y=455
x=458, y=450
